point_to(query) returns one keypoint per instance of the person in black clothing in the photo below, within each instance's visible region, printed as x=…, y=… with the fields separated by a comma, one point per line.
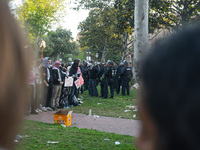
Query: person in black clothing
x=63, y=71
x=50, y=89
x=92, y=80
x=73, y=74
x=47, y=82
x=85, y=76
x=126, y=74
x=82, y=69
x=57, y=82
x=118, y=77
x=110, y=75
x=100, y=75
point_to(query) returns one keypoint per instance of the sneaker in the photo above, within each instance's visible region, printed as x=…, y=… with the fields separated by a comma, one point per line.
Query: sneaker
x=80, y=102
x=44, y=109
x=49, y=109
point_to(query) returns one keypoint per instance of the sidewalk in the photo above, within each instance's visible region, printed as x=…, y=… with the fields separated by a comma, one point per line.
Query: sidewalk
x=106, y=124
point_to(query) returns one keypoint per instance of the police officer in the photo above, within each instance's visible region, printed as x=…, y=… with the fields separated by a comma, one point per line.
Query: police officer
x=110, y=75
x=126, y=74
x=92, y=79
x=118, y=77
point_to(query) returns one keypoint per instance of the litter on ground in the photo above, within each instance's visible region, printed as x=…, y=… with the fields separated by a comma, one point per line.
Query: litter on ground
x=126, y=110
x=131, y=107
x=52, y=142
x=106, y=139
x=96, y=116
x=117, y=143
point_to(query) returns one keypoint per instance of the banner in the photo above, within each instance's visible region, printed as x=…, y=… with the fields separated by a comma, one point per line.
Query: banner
x=68, y=82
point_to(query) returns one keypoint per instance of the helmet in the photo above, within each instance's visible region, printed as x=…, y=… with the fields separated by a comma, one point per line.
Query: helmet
x=92, y=62
x=85, y=63
x=110, y=62
x=69, y=63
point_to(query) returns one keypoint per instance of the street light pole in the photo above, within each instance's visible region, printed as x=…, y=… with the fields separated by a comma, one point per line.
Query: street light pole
x=42, y=46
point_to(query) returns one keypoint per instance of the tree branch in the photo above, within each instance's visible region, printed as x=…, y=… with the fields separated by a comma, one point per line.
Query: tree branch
x=130, y=42
x=98, y=48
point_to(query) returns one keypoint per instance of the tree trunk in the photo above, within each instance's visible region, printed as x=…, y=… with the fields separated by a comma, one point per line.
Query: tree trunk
x=103, y=57
x=37, y=50
x=141, y=33
x=125, y=38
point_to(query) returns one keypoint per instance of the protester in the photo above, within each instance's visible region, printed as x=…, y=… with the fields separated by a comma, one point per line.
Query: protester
x=15, y=64
x=38, y=83
x=57, y=85
x=31, y=89
x=45, y=75
x=73, y=73
x=169, y=100
x=85, y=76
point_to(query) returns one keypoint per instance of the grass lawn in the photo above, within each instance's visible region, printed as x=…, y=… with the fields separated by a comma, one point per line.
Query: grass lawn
x=71, y=138
x=107, y=107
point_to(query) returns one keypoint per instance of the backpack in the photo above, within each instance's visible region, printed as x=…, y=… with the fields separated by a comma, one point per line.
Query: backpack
x=74, y=101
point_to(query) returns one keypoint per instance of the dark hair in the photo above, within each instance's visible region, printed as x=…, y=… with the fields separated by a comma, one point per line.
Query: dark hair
x=75, y=64
x=170, y=77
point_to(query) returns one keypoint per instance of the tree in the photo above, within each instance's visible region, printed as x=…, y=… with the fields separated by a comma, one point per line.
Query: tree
x=37, y=16
x=121, y=14
x=141, y=32
x=60, y=44
x=98, y=32
x=176, y=14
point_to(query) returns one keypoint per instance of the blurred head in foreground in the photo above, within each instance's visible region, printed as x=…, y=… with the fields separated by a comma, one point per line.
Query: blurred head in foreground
x=169, y=104
x=13, y=76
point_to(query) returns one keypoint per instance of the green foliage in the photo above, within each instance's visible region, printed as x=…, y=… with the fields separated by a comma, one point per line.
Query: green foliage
x=162, y=14
x=70, y=138
x=175, y=14
x=125, y=15
x=98, y=32
x=59, y=42
x=37, y=15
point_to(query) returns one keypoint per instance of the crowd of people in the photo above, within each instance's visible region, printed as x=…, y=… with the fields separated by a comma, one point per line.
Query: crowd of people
x=47, y=82
x=168, y=97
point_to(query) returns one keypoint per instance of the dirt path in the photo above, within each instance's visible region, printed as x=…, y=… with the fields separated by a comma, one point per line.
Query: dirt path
x=106, y=124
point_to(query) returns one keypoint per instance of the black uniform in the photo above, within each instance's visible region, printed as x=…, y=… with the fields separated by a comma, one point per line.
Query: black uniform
x=92, y=81
x=100, y=75
x=126, y=74
x=110, y=75
x=85, y=77
x=118, y=79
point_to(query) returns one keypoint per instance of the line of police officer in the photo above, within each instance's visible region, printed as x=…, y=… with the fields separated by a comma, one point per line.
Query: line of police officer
x=109, y=74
